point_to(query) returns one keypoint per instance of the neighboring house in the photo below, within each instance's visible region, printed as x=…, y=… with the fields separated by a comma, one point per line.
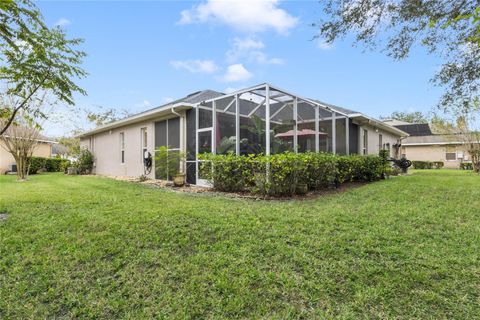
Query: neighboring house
x=423, y=145
x=42, y=149
x=60, y=151
x=210, y=121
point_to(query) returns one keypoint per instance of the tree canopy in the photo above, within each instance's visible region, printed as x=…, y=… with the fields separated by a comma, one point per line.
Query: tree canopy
x=410, y=117
x=105, y=115
x=449, y=29
x=35, y=59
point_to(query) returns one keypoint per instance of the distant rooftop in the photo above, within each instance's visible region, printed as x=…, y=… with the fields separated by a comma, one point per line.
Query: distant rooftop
x=436, y=139
x=395, y=122
x=415, y=129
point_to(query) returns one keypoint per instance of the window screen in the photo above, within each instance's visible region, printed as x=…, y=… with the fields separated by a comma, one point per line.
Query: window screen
x=204, y=118
x=365, y=142
x=191, y=135
x=451, y=153
x=174, y=133
x=167, y=133
x=161, y=134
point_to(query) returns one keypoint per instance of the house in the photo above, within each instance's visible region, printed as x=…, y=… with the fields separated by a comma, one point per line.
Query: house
x=424, y=145
x=7, y=162
x=210, y=121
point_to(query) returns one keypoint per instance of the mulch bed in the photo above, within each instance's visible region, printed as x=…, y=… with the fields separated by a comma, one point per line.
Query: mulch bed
x=187, y=188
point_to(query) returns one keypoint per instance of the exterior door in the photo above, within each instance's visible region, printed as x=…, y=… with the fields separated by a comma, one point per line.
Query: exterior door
x=204, y=139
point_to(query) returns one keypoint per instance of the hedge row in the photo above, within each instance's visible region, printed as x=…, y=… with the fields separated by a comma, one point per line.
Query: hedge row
x=47, y=164
x=466, y=166
x=427, y=164
x=288, y=173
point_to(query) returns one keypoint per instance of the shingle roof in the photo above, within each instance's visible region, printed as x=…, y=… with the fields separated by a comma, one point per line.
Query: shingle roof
x=416, y=129
x=192, y=98
x=341, y=109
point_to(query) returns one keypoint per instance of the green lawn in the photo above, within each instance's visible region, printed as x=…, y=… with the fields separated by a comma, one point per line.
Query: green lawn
x=88, y=247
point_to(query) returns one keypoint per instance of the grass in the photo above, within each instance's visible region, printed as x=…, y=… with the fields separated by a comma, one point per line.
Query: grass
x=88, y=247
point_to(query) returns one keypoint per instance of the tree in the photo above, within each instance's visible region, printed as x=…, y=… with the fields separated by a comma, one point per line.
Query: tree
x=104, y=116
x=470, y=138
x=20, y=140
x=449, y=29
x=464, y=127
x=71, y=144
x=410, y=117
x=35, y=59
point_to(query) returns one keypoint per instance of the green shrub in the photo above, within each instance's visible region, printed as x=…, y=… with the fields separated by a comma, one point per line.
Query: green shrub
x=320, y=170
x=287, y=173
x=392, y=171
x=427, y=164
x=231, y=174
x=466, y=166
x=356, y=168
x=84, y=163
x=36, y=164
x=422, y=165
x=56, y=164
x=64, y=164
x=438, y=164
x=278, y=175
x=47, y=164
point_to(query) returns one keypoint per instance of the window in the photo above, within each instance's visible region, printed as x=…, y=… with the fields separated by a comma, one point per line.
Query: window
x=122, y=147
x=404, y=152
x=365, y=142
x=167, y=134
x=380, y=142
x=143, y=137
x=91, y=144
x=386, y=146
x=451, y=154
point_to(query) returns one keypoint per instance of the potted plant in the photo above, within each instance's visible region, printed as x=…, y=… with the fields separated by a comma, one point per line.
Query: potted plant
x=301, y=188
x=179, y=179
x=168, y=164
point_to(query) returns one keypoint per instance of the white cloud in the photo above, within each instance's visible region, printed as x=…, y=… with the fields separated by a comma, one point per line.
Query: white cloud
x=262, y=58
x=245, y=15
x=248, y=43
x=250, y=49
x=236, y=72
x=195, y=66
x=168, y=99
x=62, y=22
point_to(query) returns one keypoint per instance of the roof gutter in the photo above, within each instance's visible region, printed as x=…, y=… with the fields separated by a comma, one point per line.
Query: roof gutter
x=380, y=124
x=38, y=140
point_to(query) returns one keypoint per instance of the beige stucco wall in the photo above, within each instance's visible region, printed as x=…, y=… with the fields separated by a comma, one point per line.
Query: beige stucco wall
x=373, y=146
x=433, y=153
x=6, y=159
x=107, y=152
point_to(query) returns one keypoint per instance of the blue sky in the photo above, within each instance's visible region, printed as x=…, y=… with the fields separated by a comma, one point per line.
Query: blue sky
x=143, y=54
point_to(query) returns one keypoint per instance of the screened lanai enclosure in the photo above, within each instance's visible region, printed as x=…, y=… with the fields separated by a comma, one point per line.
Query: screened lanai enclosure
x=259, y=120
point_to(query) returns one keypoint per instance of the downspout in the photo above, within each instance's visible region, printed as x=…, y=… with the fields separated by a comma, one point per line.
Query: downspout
x=175, y=112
